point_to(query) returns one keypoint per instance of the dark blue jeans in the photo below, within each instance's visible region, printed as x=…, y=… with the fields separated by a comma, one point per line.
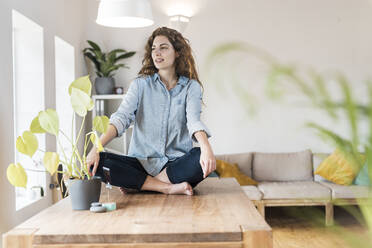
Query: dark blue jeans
x=129, y=173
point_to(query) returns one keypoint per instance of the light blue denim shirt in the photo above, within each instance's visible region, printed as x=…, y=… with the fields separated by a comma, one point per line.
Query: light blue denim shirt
x=164, y=120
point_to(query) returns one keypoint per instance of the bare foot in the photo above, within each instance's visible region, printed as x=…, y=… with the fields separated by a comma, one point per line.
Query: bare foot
x=123, y=190
x=180, y=188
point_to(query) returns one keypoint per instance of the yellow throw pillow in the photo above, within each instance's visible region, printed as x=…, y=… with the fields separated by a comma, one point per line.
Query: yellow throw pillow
x=225, y=169
x=339, y=168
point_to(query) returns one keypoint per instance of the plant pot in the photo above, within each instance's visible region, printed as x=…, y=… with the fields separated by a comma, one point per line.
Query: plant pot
x=104, y=85
x=84, y=192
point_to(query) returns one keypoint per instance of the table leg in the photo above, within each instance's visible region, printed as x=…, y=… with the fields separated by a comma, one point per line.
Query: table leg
x=257, y=238
x=19, y=238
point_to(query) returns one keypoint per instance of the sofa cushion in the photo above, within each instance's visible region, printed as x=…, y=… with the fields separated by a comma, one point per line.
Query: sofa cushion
x=243, y=160
x=339, y=167
x=294, y=190
x=362, y=178
x=318, y=158
x=348, y=192
x=295, y=166
x=252, y=192
x=225, y=169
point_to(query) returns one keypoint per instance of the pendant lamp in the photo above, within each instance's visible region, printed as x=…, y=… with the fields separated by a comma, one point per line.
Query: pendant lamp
x=125, y=13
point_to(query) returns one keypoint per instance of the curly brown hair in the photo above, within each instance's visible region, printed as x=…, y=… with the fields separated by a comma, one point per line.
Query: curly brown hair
x=184, y=63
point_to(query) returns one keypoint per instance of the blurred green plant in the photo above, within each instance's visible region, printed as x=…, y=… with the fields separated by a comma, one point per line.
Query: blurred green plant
x=313, y=86
x=74, y=166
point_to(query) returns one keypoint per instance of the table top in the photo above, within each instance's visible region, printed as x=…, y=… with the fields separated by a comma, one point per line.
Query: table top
x=218, y=211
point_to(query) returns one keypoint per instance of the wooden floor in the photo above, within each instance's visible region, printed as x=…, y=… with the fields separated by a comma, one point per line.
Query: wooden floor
x=303, y=227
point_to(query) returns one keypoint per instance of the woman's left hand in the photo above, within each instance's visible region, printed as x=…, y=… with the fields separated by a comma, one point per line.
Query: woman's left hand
x=207, y=161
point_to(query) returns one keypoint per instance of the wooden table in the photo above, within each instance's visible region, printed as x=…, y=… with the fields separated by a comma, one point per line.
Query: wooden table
x=217, y=215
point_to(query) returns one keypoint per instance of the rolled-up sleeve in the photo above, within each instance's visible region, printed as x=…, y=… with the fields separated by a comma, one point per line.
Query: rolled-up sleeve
x=125, y=114
x=193, y=110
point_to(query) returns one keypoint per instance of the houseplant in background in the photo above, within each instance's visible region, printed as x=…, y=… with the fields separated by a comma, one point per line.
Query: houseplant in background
x=314, y=87
x=83, y=189
x=105, y=64
x=355, y=147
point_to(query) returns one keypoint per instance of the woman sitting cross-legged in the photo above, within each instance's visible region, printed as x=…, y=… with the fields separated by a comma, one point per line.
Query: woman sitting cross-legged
x=164, y=102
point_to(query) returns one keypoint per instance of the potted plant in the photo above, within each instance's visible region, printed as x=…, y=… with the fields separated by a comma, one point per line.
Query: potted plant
x=83, y=189
x=106, y=65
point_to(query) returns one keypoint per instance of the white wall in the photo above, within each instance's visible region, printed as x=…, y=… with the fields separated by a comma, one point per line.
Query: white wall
x=59, y=17
x=328, y=35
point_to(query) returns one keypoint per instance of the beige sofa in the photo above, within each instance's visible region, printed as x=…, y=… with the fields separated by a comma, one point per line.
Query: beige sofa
x=287, y=179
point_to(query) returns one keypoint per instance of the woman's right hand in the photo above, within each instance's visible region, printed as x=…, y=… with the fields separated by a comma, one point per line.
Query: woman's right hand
x=92, y=160
x=93, y=155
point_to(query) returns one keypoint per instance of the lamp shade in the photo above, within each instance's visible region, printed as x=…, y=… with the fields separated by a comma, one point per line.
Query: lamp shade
x=124, y=13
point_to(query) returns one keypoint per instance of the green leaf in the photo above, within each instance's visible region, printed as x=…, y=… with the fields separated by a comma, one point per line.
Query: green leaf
x=94, y=45
x=113, y=68
x=95, y=53
x=341, y=143
x=27, y=143
x=101, y=57
x=49, y=121
x=82, y=83
x=345, y=146
x=51, y=161
x=325, y=99
x=93, y=59
x=124, y=56
x=350, y=109
x=35, y=126
x=99, y=74
x=272, y=88
x=104, y=67
x=95, y=140
x=115, y=51
x=100, y=123
x=112, y=55
x=17, y=175
x=81, y=102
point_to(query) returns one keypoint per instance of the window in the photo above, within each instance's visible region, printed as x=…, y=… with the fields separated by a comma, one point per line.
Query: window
x=65, y=74
x=28, y=88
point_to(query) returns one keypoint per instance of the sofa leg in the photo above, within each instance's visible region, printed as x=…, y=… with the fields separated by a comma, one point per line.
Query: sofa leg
x=261, y=209
x=329, y=214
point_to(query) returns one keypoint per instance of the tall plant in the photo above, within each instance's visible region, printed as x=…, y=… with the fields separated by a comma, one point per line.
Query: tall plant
x=106, y=63
x=47, y=121
x=316, y=91
x=312, y=85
